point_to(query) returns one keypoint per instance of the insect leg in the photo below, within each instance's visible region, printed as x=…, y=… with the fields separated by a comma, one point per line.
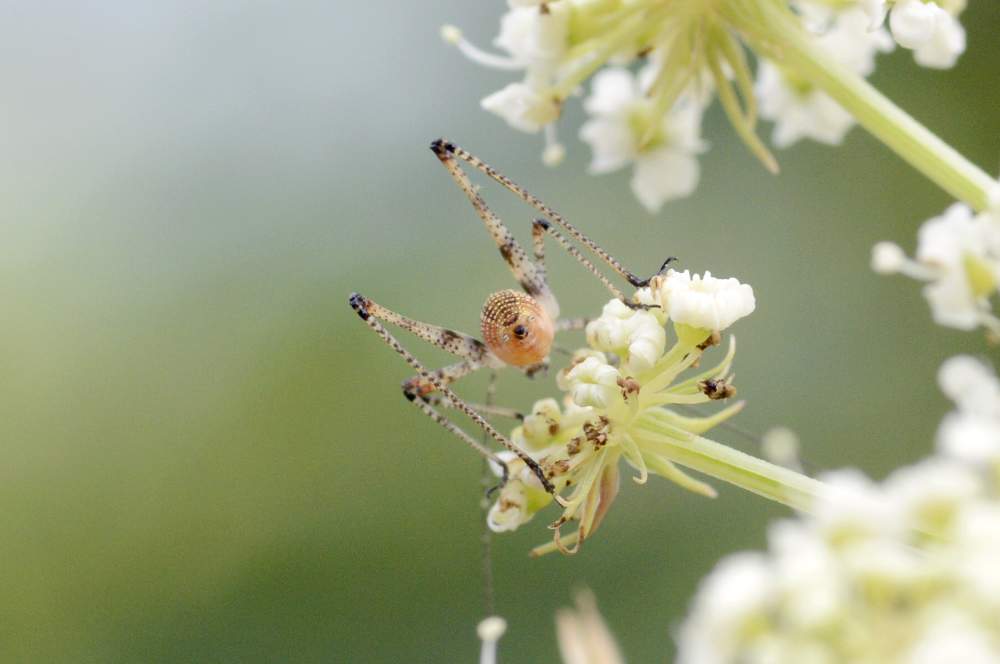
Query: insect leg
x=363, y=307
x=529, y=275
x=483, y=408
x=538, y=229
x=447, y=151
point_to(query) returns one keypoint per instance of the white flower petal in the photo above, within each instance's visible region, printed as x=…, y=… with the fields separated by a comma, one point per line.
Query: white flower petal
x=944, y=47
x=704, y=301
x=613, y=89
x=663, y=175
x=913, y=22
x=522, y=106
x=611, y=143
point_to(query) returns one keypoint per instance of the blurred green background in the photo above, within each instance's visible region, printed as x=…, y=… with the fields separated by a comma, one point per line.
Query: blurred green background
x=205, y=454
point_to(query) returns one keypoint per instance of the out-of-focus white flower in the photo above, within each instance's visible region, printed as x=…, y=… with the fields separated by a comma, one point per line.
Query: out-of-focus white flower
x=972, y=431
x=930, y=493
x=913, y=22
x=924, y=589
x=959, y=254
x=489, y=631
x=624, y=130
x=523, y=107
x=730, y=601
x=799, y=109
x=583, y=636
x=933, y=34
x=535, y=38
x=780, y=445
x=852, y=508
x=887, y=258
x=799, y=114
x=953, y=637
x=690, y=52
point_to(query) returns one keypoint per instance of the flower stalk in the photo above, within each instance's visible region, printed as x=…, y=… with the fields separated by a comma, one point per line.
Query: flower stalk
x=729, y=465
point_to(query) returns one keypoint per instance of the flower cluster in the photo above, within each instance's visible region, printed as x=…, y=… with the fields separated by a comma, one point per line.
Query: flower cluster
x=689, y=51
x=899, y=572
x=622, y=395
x=958, y=254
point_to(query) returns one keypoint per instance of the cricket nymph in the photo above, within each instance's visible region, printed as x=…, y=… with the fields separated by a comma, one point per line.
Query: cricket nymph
x=516, y=328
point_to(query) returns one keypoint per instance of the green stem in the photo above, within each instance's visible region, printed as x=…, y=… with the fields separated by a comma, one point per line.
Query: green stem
x=722, y=462
x=887, y=122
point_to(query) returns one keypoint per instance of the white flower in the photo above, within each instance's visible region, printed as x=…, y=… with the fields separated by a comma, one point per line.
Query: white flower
x=947, y=42
x=875, y=10
x=635, y=336
x=705, y=302
x=971, y=432
x=523, y=107
x=913, y=22
x=852, y=43
x=622, y=131
x=935, y=36
x=798, y=114
x=954, y=638
x=921, y=591
x=583, y=636
x=852, y=508
x=800, y=110
x=739, y=589
x=887, y=258
x=594, y=383
x=957, y=247
x=533, y=37
x=959, y=254
x=489, y=631
x=931, y=492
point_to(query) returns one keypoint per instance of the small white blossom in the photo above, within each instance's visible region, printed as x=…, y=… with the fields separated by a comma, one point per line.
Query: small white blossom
x=799, y=109
x=852, y=509
x=622, y=131
x=954, y=638
x=583, y=636
x=887, y=258
x=534, y=38
x=958, y=253
x=935, y=36
x=594, y=383
x=489, y=631
x=729, y=600
x=972, y=431
x=931, y=492
x=523, y=107
x=799, y=114
x=634, y=335
x=705, y=302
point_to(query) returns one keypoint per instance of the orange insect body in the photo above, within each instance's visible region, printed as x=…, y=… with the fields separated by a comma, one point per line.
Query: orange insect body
x=516, y=328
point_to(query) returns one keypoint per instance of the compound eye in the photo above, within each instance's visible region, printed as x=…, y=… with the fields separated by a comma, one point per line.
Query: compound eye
x=520, y=331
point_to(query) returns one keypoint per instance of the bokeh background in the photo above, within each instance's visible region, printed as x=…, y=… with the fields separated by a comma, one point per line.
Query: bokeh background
x=205, y=456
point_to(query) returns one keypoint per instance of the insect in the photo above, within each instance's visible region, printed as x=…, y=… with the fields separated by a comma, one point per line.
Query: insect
x=517, y=328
